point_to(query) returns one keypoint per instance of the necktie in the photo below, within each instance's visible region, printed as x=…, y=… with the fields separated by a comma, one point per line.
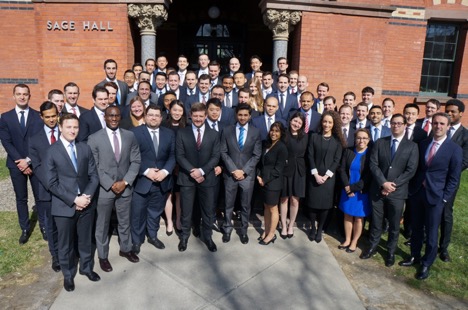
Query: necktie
x=228, y=101
x=155, y=142
x=52, y=137
x=203, y=99
x=73, y=157
x=241, y=137
x=103, y=120
x=427, y=126
x=191, y=92
x=432, y=153
x=386, y=123
x=198, y=139
x=320, y=109
x=116, y=146
x=345, y=133
x=361, y=125
x=214, y=126
x=450, y=132
x=376, y=134
x=117, y=98
x=269, y=123
x=394, y=147
x=22, y=120
x=293, y=90
x=74, y=110
x=306, y=128
x=282, y=101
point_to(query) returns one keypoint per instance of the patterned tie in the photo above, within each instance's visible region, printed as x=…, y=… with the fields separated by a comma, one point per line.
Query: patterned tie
x=155, y=142
x=241, y=137
x=427, y=126
x=116, y=146
x=52, y=137
x=103, y=120
x=214, y=126
x=73, y=157
x=198, y=139
x=432, y=153
x=394, y=147
x=22, y=121
x=306, y=129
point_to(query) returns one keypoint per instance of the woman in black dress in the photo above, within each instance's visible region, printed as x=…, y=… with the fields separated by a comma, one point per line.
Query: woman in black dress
x=294, y=179
x=324, y=154
x=270, y=178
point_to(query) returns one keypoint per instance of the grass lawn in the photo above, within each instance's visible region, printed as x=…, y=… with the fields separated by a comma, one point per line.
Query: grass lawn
x=4, y=173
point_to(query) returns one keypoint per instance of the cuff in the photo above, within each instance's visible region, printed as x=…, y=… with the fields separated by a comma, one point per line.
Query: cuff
x=329, y=173
x=314, y=171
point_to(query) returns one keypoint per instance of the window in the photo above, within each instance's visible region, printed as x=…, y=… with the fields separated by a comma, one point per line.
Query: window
x=439, y=58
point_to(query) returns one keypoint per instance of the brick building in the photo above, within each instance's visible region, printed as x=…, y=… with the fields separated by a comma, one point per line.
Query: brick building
x=409, y=50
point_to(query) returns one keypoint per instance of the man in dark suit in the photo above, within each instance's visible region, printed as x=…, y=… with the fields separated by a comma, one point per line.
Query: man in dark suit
x=322, y=92
x=72, y=93
x=413, y=132
x=435, y=183
x=197, y=153
x=255, y=65
x=154, y=181
x=173, y=81
x=38, y=146
x=201, y=95
x=287, y=102
x=312, y=118
x=458, y=134
x=144, y=76
x=110, y=68
x=230, y=96
x=376, y=128
x=214, y=69
x=393, y=162
x=203, y=61
x=16, y=128
x=346, y=115
x=218, y=117
x=117, y=158
x=263, y=122
x=241, y=148
x=432, y=107
x=72, y=179
x=93, y=120
x=361, y=120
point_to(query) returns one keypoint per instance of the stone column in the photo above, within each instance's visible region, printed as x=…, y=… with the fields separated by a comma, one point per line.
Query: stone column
x=281, y=23
x=148, y=17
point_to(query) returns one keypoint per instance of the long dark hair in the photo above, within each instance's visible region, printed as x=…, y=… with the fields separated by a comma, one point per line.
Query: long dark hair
x=300, y=132
x=336, y=130
x=183, y=119
x=282, y=129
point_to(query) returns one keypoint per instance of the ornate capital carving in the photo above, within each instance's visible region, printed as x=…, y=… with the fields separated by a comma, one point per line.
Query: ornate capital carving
x=281, y=22
x=148, y=16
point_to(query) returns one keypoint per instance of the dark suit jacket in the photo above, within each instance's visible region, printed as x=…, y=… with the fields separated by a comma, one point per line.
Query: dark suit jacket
x=442, y=176
x=89, y=124
x=314, y=124
x=344, y=170
x=234, y=97
x=182, y=96
x=188, y=157
x=80, y=108
x=16, y=140
x=63, y=180
x=350, y=140
x=192, y=99
x=419, y=134
x=260, y=123
x=164, y=160
x=385, y=132
x=123, y=90
x=271, y=166
x=111, y=171
x=400, y=170
x=291, y=105
x=460, y=137
x=153, y=97
x=354, y=122
x=245, y=159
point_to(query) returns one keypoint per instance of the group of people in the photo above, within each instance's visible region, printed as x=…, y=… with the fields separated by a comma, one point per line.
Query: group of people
x=202, y=143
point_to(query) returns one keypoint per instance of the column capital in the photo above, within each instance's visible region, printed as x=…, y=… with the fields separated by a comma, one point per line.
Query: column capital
x=281, y=22
x=148, y=16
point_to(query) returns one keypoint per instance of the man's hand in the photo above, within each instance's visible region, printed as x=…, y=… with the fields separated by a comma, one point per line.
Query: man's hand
x=260, y=181
x=118, y=187
x=22, y=164
x=218, y=170
x=28, y=171
x=388, y=187
x=159, y=176
x=238, y=174
x=196, y=174
x=320, y=179
x=81, y=202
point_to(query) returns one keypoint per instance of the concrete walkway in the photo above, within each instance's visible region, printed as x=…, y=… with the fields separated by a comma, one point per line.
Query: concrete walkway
x=289, y=274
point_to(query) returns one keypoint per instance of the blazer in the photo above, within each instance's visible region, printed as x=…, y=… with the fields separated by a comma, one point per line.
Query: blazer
x=346, y=160
x=350, y=139
x=419, y=134
x=442, y=176
x=460, y=137
x=123, y=87
x=324, y=159
x=260, y=123
x=16, y=140
x=297, y=150
x=385, y=132
x=188, y=157
x=89, y=124
x=399, y=170
x=192, y=99
x=109, y=170
x=164, y=160
x=63, y=181
x=234, y=158
x=182, y=96
x=314, y=119
x=290, y=105
x=271, y=166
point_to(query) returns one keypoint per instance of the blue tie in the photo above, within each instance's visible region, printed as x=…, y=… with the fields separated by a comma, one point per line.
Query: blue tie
x=394, y=149
x=73, y=157
x=376, y=134
x=22, y=120
x=241, y=138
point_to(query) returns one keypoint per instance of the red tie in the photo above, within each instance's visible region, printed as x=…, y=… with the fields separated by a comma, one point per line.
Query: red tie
x=74, y=111
x=52, y=137
x=306, y=122
x=198, y=139
x=426, y=126
x=432, y=152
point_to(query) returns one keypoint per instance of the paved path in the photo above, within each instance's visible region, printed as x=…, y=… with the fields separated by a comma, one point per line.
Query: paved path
x=290, y=274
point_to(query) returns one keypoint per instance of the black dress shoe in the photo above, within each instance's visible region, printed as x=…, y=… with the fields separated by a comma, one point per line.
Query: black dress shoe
x=132, y=257
x=283, y=236
x=244, y=239
x=390, y=260
x=196, y=232
x=182, y=245
x=92, y=276
x=68, y=285
x=368, y=254
x=290, y=236
x=318, y=237
x=423, y=273
x=44, y=233
x=211, y=245
x=343, y=247
x=169, y=233
x=105, y=265
x=55, y=264
x=409, y=262
x=226, y=237
x=157, y=243
x=262, y=242
x=24, y=237
x=444, y=256
x=348, y=250
x=136, y=248
x=312, y=235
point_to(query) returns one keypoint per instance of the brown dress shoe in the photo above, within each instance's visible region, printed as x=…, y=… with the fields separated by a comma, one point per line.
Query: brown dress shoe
x=105, y=265
x=132, y=257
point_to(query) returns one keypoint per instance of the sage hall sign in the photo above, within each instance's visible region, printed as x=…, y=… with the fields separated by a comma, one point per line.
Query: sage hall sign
x=84, y=26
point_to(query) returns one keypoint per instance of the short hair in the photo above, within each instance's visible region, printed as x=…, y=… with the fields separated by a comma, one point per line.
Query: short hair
x=244, y=106
x=54, y=92
x=345, y=106
x=293, y=72
x=411, y=105
x=267, y=73
x=457, y=103
x=47, y=105
x=365, y=130
x=227, y=76
x=160, y=56
x=399, y=115
x=137, y=64
x=169, y=92
x=70, y=84
x=244, y=90
x=191, y=72
x=308, y=93
x=112, y=107
x=255, y=57
x=324, y=85
x=149, y=59
x=68, y=116
x=99, y=89
x=217, y=86
x=239, y=72
x=111, y=84
x=434, y=101
x=367, y=89
x=144, y=72
x=198, y=107
x=283, y=75
x=375, y=106
x=182, y=56
x=110, y=61
x=281, y=58
x=349, y=93
x=328, y=98
x=129, y=71
x=388, y=99
x=214, y=101
x=442, y=114
x=159, y=73
x=154, y=106
x=214, y=63
x=173, y=73
x=204, y=77
x=363, y=104
x=143, y=82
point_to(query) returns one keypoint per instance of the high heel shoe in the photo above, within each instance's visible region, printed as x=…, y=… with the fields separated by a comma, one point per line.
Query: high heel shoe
x=290, y=236
x=262, y=242
x=318, y=237
x=260, y=238
x=343, y=247
x=283, y=236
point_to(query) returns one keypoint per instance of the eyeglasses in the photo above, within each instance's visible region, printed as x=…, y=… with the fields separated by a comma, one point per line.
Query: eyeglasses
x=362, y=138
x=398, y=124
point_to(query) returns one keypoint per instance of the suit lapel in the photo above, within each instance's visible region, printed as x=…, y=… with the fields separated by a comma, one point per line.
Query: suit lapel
x=65, y=154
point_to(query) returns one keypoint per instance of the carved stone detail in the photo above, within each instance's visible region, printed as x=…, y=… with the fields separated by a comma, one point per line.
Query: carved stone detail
x=281, y=22
x=148, y=16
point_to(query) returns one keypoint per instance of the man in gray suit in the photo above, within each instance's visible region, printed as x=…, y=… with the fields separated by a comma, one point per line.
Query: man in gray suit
x=117, y=156
x=241, y=148
x=72, y=179
x=110, y=68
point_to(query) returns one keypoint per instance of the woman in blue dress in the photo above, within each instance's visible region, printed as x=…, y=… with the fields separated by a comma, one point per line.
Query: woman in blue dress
x=355, y=176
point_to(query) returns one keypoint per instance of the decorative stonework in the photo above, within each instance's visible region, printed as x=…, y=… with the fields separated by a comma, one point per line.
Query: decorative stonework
x=409, y=13
x=281, y=22
x=148, y=16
